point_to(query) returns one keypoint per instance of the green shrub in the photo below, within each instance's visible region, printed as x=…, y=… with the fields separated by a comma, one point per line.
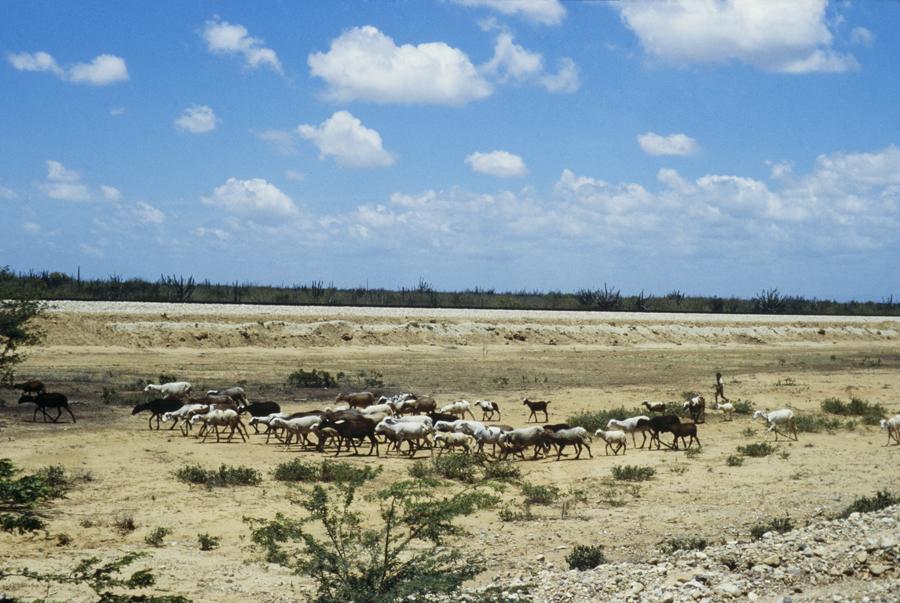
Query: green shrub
x=503, y=471
x=508, y=514
x=633, y=473
x=687, y=543
x=781, y=525
x=863, y=504
x=421, y=470
x=743, y=407
x=597, y=419
x=225, y=475
x=757, y=449
x=585, y=557
x=157, y=536
x=295, y=470
x=125, y=523
x=815, y=424
x=207, y=542
x=313, y=378
x=539, y=495
x=735, y=460
x=459, y=467
x=341, y=472
x=871, y=413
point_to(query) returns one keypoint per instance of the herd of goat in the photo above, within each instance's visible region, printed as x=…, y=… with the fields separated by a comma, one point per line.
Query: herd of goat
x=414, y=420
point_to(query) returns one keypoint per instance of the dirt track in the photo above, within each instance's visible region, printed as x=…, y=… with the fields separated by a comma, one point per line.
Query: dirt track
x=579, y=361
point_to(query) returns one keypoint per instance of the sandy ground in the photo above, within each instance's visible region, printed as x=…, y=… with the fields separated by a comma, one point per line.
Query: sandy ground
x=580, y=361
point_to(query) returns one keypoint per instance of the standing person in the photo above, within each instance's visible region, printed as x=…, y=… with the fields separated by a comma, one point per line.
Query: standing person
x=720, y=388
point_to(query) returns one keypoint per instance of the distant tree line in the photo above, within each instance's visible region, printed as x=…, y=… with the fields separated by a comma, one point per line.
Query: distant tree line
x=185, y=289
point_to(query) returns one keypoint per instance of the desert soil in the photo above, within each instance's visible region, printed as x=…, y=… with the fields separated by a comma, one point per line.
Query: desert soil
x=579, y=361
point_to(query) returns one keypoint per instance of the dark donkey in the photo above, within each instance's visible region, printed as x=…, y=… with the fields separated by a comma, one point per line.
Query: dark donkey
x=351, y=429
x=45, y=401
x=158, y=408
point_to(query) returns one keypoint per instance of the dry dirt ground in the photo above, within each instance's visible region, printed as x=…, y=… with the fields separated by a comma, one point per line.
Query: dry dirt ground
x=580, y=361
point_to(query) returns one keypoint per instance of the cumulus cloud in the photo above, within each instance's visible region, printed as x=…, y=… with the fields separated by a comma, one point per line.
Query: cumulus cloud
x=110, y=193
x=673, y=144
x=513, y=63
x=197, y=119
x=212, y=233
x=224, y=38
x=104, y=69
x=862, y=36
x=145, y=213
x=789, y=36
x=365, y=64
x=295, y=175
x=255, y=197
x=545, y=12
x=63, y=184
x=498, y=163
x=345, y=138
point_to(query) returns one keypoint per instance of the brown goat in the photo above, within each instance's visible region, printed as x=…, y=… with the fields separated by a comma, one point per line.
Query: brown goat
x=357, y=400
x=535, y=407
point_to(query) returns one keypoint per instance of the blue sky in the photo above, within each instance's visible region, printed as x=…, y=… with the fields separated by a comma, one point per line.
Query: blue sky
x=717, y=147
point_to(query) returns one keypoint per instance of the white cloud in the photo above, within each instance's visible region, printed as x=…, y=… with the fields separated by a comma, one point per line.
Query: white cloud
x=862, y=36
x=564, y=80
x=7, y=193
x=513, y=63
x=110, y=193
x=295, y=175
x=498, y=163
x=145, y=213
x=63, y=184
x=345, y=138
x=255, y=196
x=104, y=69
x=38, y=61
x=281, y=141
x=674, y=144
x=197, y=119
x=117, y=111
x=789, y=36
x=212, y=233
x=779, y=170
x=364, y=64
x=224, y=38
x=673, y=180
x=546, y=12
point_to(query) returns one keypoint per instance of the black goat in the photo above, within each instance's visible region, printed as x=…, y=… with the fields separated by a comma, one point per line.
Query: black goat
x=536, y=407
x=259, y=409
x=441, y=416
x=655, y=425
x=351, y=429
x=158, y=408
x=683, y=430
x=45, y=401
x=554, y=427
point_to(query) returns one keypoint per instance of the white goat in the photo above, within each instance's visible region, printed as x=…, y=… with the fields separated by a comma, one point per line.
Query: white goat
x=578, y=437
x=488, y=435
x=375, y=409
x=184, y=414
x=727, y=409
x=631, y=425
x=178, y=389
x=517, y=440
x=892, y=426
x=410, y=432
x=468, y=427
x=221, y=418
x=267, y=421
x=458, y=408
x=300, y=427
x=488, y=408
x=778, y=419
x=447, y=425
x=614, y=439
x=448, y=441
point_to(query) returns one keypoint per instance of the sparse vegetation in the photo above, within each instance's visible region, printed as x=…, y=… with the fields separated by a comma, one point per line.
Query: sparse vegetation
x=585, y=557
x=685, y=543
x=633, y=473
x=297, y=470
x=743, y=407
x=780, y=525
x=225, y=475
x=157, y=536
x=536, y=494
x=871, y=413
x=757, y=449
x=124, y=523
x=597, y=419
x=17, y=329
x=314, y=378
x=20, y=497
x=207, y=542
x=734, y=460
x=864, y=504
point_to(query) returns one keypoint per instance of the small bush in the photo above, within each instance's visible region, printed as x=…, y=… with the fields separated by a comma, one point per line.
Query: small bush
x=864, y=504
x=633, y=473
x=111, y=396
x=781, y=525
x=743, y=407
x=757, y=449
x=748, y=432
x=815, y=424
x=207, y=542
x=693, y=452
x=458, y=467
x=539, y=495
x=343, y=473
x=585, y=557
x=167, y=378
x=421, y=470
x=871, y=413
x=125, y=523
x=225, y=475
x=594, y=420
x=313, y=378
x=687, y=543
x=507, y=514
x=157, y=536
x=296, y=471
x=503, y=471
